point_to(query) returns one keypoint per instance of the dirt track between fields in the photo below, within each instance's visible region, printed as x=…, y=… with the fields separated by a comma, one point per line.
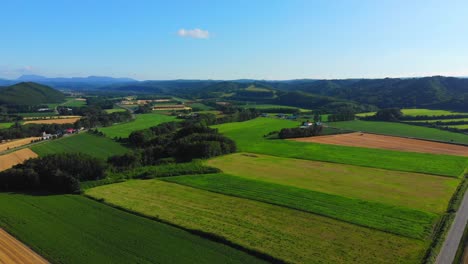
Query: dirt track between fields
x=16, y=143
x=11, y=159
x=13, y=251
x=388, y=142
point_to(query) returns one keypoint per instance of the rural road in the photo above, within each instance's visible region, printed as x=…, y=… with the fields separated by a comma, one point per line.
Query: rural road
x=449, y=249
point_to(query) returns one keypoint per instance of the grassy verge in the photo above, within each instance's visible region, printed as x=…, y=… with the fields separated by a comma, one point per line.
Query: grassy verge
x=445, y=223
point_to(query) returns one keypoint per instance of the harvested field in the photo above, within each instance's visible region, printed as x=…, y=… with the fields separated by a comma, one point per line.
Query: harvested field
x=11, y=159
x=13, y=251
x=388, y=142
x=54, y=121
x=16, y=143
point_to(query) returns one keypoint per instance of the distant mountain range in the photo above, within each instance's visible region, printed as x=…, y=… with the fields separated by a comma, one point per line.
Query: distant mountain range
x=90, y=82
x=430, y=92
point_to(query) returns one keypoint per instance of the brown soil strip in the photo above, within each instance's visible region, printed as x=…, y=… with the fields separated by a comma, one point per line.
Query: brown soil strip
x=11, y=159
x=13, y=251
x=388, y=142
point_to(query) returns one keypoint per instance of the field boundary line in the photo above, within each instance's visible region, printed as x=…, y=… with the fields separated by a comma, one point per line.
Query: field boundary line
x=200, y=233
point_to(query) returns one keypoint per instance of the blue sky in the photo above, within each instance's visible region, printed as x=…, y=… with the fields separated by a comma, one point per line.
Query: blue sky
x=261, y=39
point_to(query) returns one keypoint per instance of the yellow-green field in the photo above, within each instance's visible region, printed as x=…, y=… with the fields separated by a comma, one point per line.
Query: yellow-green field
x=413, y=190
x=291, y=235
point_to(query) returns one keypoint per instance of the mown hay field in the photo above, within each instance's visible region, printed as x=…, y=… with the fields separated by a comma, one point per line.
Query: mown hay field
x=99, y=147
x=413, y=190
x=17, y=143
x=249, y=136
x=54, y=121
x=17, y=157
x=74, y=229
x=287, y=234
x=142, y=121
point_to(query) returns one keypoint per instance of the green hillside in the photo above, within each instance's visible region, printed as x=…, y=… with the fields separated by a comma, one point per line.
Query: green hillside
x=29, y=93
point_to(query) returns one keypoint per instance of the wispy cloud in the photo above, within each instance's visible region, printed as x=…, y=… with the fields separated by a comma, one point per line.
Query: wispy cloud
x=194, y=33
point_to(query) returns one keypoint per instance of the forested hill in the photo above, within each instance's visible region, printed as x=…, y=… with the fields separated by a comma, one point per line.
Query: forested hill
x=29, y=93
x=436, y=91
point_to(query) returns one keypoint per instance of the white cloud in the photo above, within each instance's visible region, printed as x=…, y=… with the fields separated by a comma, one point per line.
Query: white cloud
x=194, y=33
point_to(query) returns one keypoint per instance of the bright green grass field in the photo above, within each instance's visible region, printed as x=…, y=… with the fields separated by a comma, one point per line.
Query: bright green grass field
x=397, y=220
x=402, y=130
x=5, y=125
x=114, y=110
x=413, y=190
x=287, y=234
x=460, y=126
x=142, y=121
x=72, y=102
x=420, y=112
x=249, y=138
x=99, y=147
x=74, y=229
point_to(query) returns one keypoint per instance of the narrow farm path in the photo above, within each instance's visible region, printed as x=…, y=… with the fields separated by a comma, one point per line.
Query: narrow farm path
x=449, y=249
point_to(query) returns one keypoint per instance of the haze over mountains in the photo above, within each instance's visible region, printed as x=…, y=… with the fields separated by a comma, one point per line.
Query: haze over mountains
x=430, y=92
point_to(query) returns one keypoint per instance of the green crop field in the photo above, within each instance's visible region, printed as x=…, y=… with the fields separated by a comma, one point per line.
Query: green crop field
x=99, y=147
x=420, y=112
x=249, y=138
x=142, y=121
x=74, y=229
x=5, y=125
x=201, y=107
x=397, y=220
x=413, y=190
x=71, y=101
x=114, y=110
x=288, y=234
x=402, y=130
x=460, y=126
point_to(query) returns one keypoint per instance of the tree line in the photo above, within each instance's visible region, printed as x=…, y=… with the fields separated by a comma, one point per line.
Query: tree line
x=57, y=173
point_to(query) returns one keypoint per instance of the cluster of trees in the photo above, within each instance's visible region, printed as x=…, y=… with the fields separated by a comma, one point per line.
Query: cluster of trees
x=10, y=118
x=173, y=141
x=31, y=130
x=58, y=173
x=433, y=117
x=14, y=109
x=313, y=130
x=342, y=116
x=144, y=109
x=387, y=114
